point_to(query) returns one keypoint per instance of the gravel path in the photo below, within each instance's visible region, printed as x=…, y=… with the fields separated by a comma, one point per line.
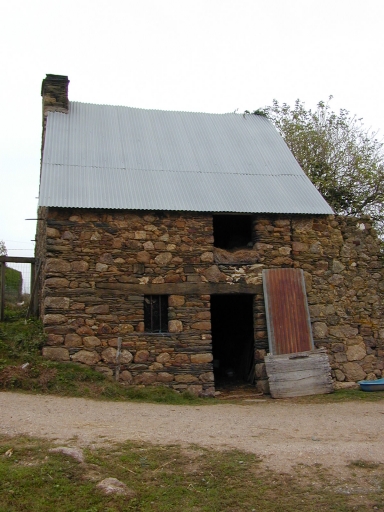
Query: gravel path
x=282, y=433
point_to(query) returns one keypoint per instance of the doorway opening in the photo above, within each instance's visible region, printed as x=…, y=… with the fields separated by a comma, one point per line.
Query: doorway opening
x=232, y=339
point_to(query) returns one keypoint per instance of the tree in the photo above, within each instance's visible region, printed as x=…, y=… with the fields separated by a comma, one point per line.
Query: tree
x=343, y=160
x=3, y=249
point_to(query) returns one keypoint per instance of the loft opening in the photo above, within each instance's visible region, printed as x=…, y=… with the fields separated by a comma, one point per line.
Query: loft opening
x=232, y=338
x=156, y=313
x=232, y=231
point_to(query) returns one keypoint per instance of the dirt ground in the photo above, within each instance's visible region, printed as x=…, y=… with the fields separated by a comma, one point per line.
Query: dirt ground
x=282, y=433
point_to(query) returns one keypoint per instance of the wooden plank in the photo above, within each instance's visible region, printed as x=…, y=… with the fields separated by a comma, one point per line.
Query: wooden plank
x=302, y=374
x=16, y=259
x=2, y=291
x=181, y=288
x=287, y=313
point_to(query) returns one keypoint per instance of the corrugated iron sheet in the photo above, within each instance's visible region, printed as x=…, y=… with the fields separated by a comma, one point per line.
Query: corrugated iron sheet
x=288, y=321
x=100, y=156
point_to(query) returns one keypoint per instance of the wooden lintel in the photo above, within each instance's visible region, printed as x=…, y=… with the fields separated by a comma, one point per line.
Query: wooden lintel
x=180, y=288
x=15, y=259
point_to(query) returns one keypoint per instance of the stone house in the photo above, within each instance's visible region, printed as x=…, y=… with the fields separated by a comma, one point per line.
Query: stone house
x=154, y=228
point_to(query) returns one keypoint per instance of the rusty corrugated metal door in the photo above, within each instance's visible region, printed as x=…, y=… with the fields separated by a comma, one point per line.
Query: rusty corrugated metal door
x=288, y=321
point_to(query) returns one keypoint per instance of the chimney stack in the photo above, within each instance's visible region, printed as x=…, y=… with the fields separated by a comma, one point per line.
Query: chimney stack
x=54, y=91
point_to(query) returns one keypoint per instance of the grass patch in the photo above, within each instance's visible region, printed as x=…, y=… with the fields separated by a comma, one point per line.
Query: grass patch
x=341, y=395
x=174, y=478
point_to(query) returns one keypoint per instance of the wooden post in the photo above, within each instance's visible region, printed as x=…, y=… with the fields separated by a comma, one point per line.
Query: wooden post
x=2, y=291
x=118, y=354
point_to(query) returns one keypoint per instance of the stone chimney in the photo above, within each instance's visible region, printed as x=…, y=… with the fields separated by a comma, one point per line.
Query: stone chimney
x=54, y=91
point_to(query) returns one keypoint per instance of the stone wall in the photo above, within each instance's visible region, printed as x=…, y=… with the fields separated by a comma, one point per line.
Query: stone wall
x=99, y=265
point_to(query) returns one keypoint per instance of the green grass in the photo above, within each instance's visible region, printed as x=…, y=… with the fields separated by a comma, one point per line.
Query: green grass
x=176, y=479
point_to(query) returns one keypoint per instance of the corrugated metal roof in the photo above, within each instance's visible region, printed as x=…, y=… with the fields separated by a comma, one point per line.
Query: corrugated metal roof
x=100, y=156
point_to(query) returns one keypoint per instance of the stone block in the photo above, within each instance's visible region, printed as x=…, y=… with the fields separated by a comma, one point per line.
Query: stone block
x=185, y=378
x=213, y=274
x=201, y=358
x=106, y=258
x=143, y=257
x=262, y=386
x=163, y=258
x=101, y=267
x=203, y=315
x=176, y=300
x=56, y=353
x=53, y=233
x=340, y=357
x=56, y=282
x=356, y=352
x=104, y=329
x=86, y=357
x=85, y=330
x=195, y=389
x=126, y=328
x=73, y=340
x=343, y=331
x=55, y=339
x=299, y=247
x=320, y=330
x=207, y=257
x=207, y=377
x=141, y=356
x=163, y=358
x=56, y=302
x=202, y=326
x=260, y=371
x=146, y=378
x=108, y=372
x=101, y=309
x=126, y=377
x=79, y=266
x=337, y=266
x=57, y=265
x=339, y=375
x=181, y=359
x=54, y=319
x=91, y=341
x=353, y=372
x=175, y=326
x=109, y=355
x=165, y=377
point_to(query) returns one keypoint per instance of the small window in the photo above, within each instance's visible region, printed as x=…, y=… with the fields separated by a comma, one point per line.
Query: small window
x=156, y=313
x=232, y=231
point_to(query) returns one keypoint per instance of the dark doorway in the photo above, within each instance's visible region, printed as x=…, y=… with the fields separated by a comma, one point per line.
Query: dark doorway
x=232, y=338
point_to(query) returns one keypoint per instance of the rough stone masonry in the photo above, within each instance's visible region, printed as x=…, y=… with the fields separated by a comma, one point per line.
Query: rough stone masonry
x=97, y=267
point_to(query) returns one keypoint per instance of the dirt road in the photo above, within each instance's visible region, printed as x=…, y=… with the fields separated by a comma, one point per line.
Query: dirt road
x=282, y=433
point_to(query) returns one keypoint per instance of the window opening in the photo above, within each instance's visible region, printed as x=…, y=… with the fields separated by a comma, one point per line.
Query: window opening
x=156, y=313
x=232, y=231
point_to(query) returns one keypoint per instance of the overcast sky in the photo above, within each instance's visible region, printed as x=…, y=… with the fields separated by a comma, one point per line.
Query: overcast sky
x=195, y=55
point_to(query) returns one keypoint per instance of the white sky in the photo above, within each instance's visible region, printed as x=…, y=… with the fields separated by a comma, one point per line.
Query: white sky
x=195, y=55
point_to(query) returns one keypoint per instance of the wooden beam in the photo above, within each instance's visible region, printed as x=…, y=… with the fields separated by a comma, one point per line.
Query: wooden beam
x=2, y=291
x=181, y=288
x=14, y=259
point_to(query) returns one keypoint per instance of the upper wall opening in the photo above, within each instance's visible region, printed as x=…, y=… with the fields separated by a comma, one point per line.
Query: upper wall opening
x=232, y=231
